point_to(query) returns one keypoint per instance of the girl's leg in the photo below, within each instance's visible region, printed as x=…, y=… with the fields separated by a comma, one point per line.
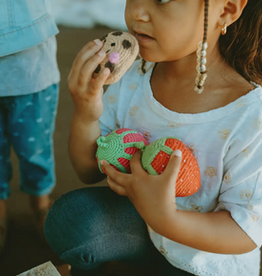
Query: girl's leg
x=91, y=226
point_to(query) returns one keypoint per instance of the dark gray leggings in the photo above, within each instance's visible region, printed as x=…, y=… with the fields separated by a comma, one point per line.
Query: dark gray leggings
x=91, y=226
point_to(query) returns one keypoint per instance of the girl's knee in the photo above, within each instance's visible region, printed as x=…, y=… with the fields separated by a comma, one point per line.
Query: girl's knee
x=83, y=257
x=74, y=218
x=61, y=228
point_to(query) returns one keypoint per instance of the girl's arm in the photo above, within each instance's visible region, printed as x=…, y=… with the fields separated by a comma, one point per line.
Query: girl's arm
x=82, y=149
x=214, y=232
x=87, y=96
x=153, y=197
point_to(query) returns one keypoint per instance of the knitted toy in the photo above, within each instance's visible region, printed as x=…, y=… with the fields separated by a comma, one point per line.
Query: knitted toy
x=118, y=147
x=156, y=156
x=121, y=51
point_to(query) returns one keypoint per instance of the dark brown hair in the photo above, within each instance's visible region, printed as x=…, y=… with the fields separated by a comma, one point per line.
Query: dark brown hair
x=241, y=47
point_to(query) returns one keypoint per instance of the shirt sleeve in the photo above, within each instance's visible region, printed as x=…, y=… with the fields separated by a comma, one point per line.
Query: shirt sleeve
x=108, y=121
x=241, y=190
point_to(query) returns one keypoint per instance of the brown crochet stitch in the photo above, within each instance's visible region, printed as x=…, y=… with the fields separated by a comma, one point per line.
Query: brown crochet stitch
x=121, y=51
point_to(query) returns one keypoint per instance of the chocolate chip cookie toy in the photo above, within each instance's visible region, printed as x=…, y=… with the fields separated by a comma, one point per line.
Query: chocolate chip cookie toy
x=121, y=51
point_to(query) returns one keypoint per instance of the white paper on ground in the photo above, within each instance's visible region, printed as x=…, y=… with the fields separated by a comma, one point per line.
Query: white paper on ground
x=46, y=269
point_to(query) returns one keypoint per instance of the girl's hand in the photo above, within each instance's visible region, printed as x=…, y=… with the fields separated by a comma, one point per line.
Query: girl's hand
x=152, y=196
x=87, y=92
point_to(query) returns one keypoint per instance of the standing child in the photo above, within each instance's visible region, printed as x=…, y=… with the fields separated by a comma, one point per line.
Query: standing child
x=29, y=89
x=216, y=231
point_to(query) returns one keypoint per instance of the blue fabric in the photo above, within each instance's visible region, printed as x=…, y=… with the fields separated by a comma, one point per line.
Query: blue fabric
x=91, y=226
x=24, y=24
x=27, y=124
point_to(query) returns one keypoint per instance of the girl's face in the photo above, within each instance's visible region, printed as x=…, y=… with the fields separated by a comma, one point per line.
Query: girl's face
x=166, y=30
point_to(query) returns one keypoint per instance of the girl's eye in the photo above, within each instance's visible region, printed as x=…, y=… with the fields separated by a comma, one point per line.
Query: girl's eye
x=163, y=1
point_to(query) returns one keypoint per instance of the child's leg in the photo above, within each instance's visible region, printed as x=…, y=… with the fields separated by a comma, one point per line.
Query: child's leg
x=31, y=127
x=5, y=165
x=40, y=206
x=91, y=226
x=5, y=173
x=2, y=209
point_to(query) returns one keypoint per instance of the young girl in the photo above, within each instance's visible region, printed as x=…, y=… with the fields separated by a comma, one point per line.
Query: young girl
x=216, y=111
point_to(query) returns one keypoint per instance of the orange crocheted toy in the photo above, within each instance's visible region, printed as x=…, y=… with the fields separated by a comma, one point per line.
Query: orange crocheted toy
x=120, y=145
x=156, y=156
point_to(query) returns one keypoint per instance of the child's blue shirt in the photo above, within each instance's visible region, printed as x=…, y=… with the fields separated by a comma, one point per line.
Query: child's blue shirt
x=24, y=24
x=27, y=47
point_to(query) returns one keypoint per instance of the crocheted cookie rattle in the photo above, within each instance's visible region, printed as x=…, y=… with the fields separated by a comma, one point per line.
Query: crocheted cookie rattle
x=121, y=51
x=120, y=145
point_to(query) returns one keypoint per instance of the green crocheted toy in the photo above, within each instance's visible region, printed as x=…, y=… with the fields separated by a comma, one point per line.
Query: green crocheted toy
x=118, y=147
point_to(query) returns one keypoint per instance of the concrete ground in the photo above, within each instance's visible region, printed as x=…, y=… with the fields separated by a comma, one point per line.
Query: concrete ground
x=24, y=249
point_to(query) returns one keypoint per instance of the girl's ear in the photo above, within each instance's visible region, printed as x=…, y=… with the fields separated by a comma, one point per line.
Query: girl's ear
x=232, y=11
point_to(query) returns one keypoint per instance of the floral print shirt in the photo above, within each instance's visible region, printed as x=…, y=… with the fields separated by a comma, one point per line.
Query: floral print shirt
x=227, y=143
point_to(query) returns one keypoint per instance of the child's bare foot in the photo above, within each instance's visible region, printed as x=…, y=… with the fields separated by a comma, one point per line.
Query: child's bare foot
x=3, y=225
x=2, y=209
x=39, y=202
x=40, y=206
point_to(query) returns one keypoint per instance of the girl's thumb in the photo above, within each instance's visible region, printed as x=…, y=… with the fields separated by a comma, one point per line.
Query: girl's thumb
x=173, y=166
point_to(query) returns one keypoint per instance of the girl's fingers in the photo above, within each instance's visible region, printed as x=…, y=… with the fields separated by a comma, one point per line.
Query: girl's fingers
x=98, y=83
x=117, y=177
x=173, y=166
x=115, y=187
x=89, y=67
x=88, y=51
x=135, y=163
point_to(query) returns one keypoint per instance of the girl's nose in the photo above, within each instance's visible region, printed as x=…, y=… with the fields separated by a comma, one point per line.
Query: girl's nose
x=139, y=10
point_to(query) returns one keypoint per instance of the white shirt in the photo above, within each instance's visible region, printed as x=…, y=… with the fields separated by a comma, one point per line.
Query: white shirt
x=227, y=143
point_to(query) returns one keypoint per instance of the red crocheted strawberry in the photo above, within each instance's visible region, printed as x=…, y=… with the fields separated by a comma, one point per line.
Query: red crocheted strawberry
x=156, y=156
x=118, y=147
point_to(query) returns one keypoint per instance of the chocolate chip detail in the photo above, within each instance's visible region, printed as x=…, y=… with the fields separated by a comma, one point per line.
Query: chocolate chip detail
x=104, y=37
x=98, y=69
x=126, y=44
x=113, y=44
x=117, y=33
x=110, y=66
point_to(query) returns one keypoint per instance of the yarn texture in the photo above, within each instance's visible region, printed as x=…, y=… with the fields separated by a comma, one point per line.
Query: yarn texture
x=121, y=50
x=118, y=147
x=156, y=156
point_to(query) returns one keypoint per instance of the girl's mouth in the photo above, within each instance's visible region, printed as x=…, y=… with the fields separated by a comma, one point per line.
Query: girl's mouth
x=143, y=37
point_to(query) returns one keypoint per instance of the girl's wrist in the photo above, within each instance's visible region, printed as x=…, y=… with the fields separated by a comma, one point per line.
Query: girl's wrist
x=159, y=220
x=83, y=117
